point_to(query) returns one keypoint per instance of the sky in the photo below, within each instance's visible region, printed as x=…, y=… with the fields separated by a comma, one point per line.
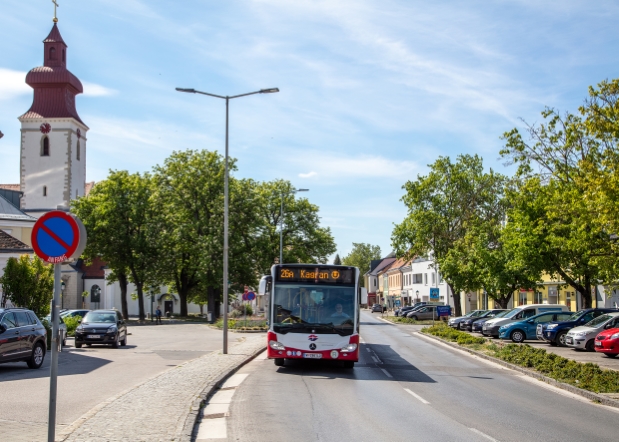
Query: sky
x=371, y=91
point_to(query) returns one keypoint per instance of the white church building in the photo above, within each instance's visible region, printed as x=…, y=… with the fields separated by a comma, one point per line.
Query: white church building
x=52, y=173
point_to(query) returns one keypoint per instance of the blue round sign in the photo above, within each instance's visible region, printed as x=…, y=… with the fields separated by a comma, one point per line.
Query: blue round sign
x=58, y=236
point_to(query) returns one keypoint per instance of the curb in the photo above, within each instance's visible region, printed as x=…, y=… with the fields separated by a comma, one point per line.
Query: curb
x=196, y=406
x=595, y=397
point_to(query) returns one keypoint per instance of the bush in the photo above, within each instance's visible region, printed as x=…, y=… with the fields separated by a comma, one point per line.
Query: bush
x=72, y=322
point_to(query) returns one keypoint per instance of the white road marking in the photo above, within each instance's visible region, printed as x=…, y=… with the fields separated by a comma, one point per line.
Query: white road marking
x=375, y=359
x=235, y=380
x=417, y=396
x=213, y=429
x=475, y=430
x=386, y=372
x=222, y=397
x=368, y=350
x=211, y=409
x=361, y=340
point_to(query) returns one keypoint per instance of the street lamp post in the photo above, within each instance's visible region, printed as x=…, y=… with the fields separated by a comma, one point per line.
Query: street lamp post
x=225, y=278
x=281, y=223
x=62, y=287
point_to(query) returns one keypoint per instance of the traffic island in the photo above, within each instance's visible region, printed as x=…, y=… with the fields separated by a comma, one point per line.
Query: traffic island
x=587, y=380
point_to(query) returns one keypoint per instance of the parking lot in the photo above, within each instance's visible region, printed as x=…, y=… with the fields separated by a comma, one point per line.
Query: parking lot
x=91, y=375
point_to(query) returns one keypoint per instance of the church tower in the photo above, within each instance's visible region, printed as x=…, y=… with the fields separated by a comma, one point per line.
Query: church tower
x=53, y=136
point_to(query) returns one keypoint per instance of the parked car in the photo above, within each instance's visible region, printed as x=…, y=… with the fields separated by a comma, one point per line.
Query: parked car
x=377, y=308
x=583, y=337
x=101, y=327
x=457, y=322
x=62, y=328
x=607, y=342
x=22, y=337
x=554, y=332
x=411, y=312
x=72, y=313
x=491, y=327
x=402, y=311
x=527, y=329
x=425, y=312
x=467, y=324
x=478, y=326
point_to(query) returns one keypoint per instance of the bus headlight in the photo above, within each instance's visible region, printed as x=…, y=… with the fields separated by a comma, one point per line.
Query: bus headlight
x=349, y=347
x=275, y=345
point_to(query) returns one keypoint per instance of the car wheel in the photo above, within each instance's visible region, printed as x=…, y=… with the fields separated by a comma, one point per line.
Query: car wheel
x=414, y=318
x=349, y=364
x=611, y=355
x=553, y=343
x=38, y=354
x=589, y=345
x=124, y=341
x=561, y=339
x=78, y=345
x=116, y=342
x=279, y=362
x=517, y=336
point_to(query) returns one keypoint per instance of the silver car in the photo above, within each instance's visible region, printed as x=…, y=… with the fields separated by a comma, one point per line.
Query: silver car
x=583, y=337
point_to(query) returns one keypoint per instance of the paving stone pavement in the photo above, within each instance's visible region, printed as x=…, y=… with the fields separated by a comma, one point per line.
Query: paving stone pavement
x=157, y=409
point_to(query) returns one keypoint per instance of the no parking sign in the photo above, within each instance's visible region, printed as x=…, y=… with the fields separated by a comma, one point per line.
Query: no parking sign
x=58, y=236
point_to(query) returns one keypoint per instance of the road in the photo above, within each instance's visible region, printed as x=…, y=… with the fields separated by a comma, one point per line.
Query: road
x=89, y=376
x=406, y=387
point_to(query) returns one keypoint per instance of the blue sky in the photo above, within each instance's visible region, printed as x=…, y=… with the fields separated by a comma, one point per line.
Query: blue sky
x=371, y=91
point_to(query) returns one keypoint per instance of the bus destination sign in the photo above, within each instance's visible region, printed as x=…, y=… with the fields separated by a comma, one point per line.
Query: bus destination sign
x=320, y=275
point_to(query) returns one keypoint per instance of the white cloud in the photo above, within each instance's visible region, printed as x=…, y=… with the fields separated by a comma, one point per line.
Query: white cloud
x=12, y=84
x=96, y=90
x=308, y=175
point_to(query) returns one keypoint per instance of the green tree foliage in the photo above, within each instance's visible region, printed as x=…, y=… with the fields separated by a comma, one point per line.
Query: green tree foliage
x=190, y=197
x=304, y=240
x=337, y=261
x=123, y=225
x=28, y=282
x=361, y=256
x=443, y=208
x=551, y=198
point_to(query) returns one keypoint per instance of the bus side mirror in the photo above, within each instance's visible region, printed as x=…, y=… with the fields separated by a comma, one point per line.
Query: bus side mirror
x=264, y=288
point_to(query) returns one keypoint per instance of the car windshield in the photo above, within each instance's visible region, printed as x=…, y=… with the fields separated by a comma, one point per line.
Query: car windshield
x=314, y=309
x=100, y=317
x=598, y=321
x=499, y=314
x=576, y=315
x=511, y=313
x=478, y=313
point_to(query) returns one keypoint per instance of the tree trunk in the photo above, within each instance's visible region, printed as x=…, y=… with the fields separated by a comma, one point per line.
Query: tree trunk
x=122, y=282
x=140, y=289
x=210, y=303
x=457, y=304
x=584, y=290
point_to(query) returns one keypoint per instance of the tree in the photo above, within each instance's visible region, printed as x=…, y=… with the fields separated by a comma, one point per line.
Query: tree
x=337, y=261
x=190, y=194
x=28, y=282
x=123, y=227
x=304, y=241
x=551, y=199
x=361, y=256
x=442, y=207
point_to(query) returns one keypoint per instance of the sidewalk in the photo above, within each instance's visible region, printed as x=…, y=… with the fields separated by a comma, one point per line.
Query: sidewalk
x=163, y=408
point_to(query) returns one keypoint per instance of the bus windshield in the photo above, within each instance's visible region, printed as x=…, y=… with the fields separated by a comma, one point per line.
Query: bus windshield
x=300, y=308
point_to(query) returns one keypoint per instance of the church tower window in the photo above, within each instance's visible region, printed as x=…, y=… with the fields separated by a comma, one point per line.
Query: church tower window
x=78, y=151
x=64, y=56
x=52, y=53
x=45, y=147
x=44, y=190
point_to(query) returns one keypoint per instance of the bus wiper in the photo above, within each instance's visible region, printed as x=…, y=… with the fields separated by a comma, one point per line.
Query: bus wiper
x=329, y=325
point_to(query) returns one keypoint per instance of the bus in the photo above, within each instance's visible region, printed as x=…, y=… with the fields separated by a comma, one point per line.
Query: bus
x=312, y=312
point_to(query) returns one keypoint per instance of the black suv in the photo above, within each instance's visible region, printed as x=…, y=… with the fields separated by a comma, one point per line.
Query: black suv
x=22, y=337
x=101, y=327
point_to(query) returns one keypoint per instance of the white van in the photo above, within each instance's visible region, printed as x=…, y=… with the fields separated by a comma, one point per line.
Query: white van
x=491, y=327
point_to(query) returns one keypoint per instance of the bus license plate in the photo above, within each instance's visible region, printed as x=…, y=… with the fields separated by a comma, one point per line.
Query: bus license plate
x=312, y=355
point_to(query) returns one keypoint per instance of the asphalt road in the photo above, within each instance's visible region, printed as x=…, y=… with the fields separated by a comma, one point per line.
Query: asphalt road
x=90, y=375
x=405, y=388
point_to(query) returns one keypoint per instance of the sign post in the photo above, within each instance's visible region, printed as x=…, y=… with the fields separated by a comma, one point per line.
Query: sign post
x=57, y=237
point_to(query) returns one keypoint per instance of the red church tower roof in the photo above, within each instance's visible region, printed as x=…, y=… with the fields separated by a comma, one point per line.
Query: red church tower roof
x=54, y=86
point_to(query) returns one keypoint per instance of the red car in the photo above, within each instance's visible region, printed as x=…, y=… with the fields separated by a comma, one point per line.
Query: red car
x=607, y=342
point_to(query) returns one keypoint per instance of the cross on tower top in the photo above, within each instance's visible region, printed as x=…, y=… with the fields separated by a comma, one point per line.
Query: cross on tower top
x=56, y=5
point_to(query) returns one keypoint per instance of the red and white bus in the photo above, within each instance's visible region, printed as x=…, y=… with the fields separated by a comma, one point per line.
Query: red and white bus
x=313, y=312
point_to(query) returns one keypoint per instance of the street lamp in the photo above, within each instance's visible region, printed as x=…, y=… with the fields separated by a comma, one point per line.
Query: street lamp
x=417, y=296
x=225, y=278
x=62, y=287
x=281, y=223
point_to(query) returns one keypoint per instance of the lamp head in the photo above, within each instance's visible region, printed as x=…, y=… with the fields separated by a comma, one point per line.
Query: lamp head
x=269, y=91
x=188, y=90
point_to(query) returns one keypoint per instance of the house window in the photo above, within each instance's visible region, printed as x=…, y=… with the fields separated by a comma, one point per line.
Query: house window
x=417, y=278
x=433, y=278
x=522, y=298
x=538, y=298
x=425, y=278
x=44, y=190
x=95, y=293
x=45, y=147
